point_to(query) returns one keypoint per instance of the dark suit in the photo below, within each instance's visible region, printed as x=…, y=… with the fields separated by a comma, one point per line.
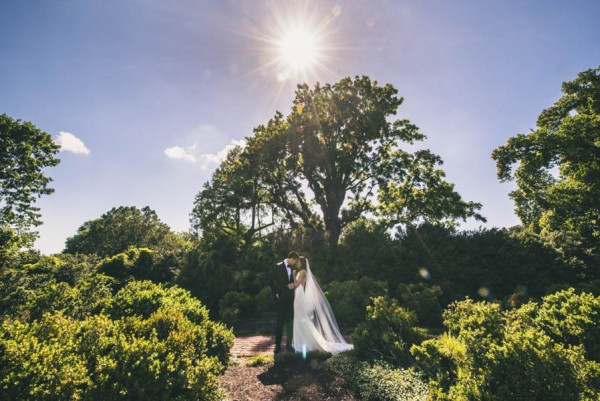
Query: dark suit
x=285, y=304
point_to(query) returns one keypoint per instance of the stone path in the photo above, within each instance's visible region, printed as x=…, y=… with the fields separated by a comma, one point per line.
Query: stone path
x=253, y=345
x=258, y=345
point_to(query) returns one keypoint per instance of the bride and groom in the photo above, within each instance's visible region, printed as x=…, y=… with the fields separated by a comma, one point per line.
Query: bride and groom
x=303, y=310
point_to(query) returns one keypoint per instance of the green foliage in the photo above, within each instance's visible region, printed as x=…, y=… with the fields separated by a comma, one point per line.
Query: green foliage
x=220, y=264
x=349, y=299
x=162, y=357
x=53, y=283
x=235, y=305
x=563, y=208
x=484, y=264
x=122, y=228
x=38, y=361
x=260, y=360
x=263, y=301
x=143, y=298
x=25, y=151
x=233, y=203
x=388, y=332
x=140, y=264
x=210, y=270
x=339, y=142
x=480, y=321
x=488, y=354
x=527, y=365
x=572, y=319
x=379, y=382
x=150, y=342
x=423, y=300
x=366, y=249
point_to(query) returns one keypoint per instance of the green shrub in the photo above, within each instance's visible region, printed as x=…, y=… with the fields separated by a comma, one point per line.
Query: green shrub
x=477, y=321
x=260, y=360
x=133, y=263
x=163, y=356
x=67, y=283
x=572, y=319
x=235, y=305
x=143, y=298
x=423, y=299
x=527, y=365
x=492, y=355
x=388, y=332
x=378, y=382
x=40, y=361
x=264, y=300
x=349, y=299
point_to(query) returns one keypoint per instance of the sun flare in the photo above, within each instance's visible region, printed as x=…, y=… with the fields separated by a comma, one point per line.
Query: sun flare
x=300, y=42
x=299, y=50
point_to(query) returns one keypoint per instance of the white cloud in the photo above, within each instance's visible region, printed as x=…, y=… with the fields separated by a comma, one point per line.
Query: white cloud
x=217, y=158
x=70, y=143
x=177, y=152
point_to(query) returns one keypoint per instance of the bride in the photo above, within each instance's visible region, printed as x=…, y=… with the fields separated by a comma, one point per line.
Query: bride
x=315, y=327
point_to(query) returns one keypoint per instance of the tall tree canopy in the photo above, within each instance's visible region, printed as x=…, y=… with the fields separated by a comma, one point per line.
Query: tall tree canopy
x=232, y=203
x=118, y=229
x=337, y=157
x=24, y=152
x=558, y=168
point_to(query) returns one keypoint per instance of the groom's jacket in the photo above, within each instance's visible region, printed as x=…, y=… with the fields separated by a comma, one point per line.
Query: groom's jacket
x=281, y=281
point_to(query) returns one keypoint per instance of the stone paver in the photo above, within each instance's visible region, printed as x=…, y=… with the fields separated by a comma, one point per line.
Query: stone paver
x=253, y=345
x=258, y=345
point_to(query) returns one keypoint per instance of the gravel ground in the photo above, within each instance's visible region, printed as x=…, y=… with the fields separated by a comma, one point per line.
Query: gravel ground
x=289, y=381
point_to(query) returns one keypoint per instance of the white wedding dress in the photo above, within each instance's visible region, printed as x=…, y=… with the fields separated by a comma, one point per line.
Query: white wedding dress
x=315, y=327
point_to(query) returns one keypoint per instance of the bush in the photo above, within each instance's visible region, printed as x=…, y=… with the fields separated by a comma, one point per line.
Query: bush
x=260, y=360
x=65, y=283
x=424, y=301
x=572, y=319
x=388, y=332
x=169, y=350
x=264, y=300
x=475, y=321
x=379, y=382
x=143, y=298
x=235, y=305
x=349, y=299
x=141, y=264
x=488, y=354
x=527, y=365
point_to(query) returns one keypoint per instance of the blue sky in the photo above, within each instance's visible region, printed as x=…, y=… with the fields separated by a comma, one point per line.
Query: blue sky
x=144, y=96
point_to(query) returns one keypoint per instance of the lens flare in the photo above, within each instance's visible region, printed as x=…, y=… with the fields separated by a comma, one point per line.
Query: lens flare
x=299, y=49
x=299, y=42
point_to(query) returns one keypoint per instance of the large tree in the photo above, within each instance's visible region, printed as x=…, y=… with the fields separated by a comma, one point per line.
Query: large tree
x=119, y=229
x=337, y=157
x=558, y=170
x=233, y=203
x=24, y=153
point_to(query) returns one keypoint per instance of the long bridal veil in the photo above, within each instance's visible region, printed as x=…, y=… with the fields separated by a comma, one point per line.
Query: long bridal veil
x=318, y=328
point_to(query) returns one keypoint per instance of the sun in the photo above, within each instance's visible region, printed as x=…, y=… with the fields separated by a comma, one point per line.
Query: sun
x=299, y=50
x=296, y=42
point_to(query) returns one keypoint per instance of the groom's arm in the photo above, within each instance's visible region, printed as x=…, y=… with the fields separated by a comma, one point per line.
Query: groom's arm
x=275, y=288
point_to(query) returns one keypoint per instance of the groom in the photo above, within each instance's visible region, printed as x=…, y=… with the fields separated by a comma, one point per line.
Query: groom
x=283, y=290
